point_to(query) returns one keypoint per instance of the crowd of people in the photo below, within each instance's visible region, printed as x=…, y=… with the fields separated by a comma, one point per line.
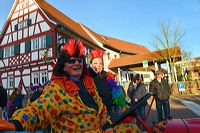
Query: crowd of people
x=79, y=97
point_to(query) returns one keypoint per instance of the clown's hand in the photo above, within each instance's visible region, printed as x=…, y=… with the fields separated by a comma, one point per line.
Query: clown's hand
x=6, y=126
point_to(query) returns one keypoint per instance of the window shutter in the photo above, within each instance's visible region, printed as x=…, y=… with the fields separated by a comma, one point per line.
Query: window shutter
x=1, y=53
x=49, y=40
x=27, y=46
x=17, y=49
x=16, y=27
x=29, y=22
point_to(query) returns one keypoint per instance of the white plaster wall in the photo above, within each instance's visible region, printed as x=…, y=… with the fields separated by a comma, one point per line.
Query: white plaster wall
x=26, y=78
x=33, y=7
x=5, y=38
x=21, y=13
x=37, y=29
x=44, y=26
x=17, y=73
x=4, y=75
x=14, y=36
x=10, y=38
x=25, y=10
x=15, y=15
x=31, y=28
x=6, y=62
x=1, y=63
x=8, y=30
x=25, y=17
x=35, y=69
x=39, y=18
x=4, y=82
x=25, y=32
x=26, y=71
x=19, y=34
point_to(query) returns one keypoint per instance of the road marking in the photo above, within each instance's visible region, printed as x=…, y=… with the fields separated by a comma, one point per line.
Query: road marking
x=193, y=106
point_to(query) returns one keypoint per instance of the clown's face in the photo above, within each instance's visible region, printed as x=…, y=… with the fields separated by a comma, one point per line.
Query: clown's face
x=97, y=64
x=74, y=67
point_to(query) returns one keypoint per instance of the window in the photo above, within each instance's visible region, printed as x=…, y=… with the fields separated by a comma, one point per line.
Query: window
x=34, y=43
x=25, y=3
x=44, y=77
x=25, y=23
x=10, y=81
x=20, y=25
x=12, y=50
x=20, y=6
x=43, y=42
x=6, y=52
x=35, y=78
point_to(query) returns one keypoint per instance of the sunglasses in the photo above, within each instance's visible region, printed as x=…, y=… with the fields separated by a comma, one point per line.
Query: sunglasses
x=73, y=60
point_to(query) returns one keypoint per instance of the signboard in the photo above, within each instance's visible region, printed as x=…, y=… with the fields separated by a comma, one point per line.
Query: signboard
x=181, y=86
x=145, y=63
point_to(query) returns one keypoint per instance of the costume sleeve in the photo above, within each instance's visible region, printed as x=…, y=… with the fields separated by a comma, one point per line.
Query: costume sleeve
x=39, y=113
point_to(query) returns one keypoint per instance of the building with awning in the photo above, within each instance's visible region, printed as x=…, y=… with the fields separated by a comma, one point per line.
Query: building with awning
x=136, y=62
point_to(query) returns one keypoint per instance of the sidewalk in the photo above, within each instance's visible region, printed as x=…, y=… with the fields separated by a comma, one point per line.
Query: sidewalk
x=178, y=111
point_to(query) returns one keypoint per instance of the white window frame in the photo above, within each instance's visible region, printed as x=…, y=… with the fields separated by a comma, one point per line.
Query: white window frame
x=35, y=78
x=34, y=44
x=10, y=81
x=25, y=23
x=43, y=77
x=6, y=52
x=20, y=6
x=20, y=25
x=43, y=41
x=12, y=50
x=26, y=3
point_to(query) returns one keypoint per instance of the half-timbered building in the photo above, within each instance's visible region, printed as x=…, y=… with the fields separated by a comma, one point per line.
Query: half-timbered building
x=30, y=39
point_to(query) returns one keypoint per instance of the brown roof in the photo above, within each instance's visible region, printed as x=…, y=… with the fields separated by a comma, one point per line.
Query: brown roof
x=132, y=60
x=126, y=47
x=63, y=19
x=119, y=45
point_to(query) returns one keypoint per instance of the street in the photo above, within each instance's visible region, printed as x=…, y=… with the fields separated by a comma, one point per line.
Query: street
x=182, y=107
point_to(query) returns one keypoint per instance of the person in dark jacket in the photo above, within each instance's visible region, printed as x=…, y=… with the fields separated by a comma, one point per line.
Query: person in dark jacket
x=3, y=102
x=161, y=89
x=135, y=93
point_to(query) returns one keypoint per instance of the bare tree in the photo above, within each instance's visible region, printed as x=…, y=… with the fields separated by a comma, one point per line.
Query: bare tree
x=169, y=36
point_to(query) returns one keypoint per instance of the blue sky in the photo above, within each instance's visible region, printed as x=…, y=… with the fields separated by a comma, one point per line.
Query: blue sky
x=131, y=20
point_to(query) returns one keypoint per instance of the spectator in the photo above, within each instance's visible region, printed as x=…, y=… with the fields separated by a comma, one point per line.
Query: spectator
x=161, y=89
x=3, y=103
x=135, y=93
x=36, y=93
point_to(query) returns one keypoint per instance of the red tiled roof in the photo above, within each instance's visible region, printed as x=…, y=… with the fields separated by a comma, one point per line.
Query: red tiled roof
x=68, y=22
x=126, y=46
x=138, y=59
x=120, y=45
